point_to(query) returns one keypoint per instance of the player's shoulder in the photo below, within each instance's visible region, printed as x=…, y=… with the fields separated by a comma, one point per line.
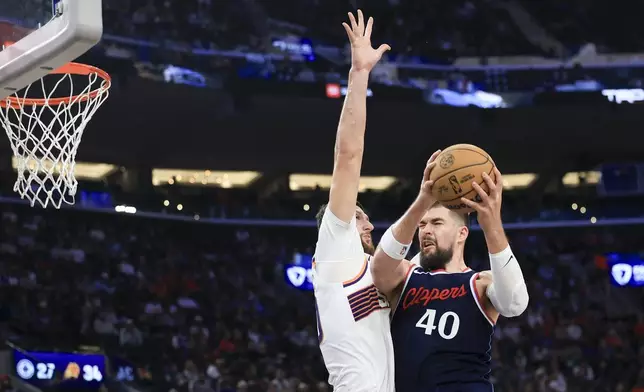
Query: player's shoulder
x=329, y=219
x=485, y=275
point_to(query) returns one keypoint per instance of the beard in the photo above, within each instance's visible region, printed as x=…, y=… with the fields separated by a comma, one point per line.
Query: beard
x=437, y=259
x=368, y=247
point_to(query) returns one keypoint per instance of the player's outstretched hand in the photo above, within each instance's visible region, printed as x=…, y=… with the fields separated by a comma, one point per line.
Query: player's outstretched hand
x=363, y=56
x=425, y=194
x=488, y=209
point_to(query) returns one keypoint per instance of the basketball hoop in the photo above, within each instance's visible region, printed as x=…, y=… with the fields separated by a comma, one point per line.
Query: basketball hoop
x=45, y=132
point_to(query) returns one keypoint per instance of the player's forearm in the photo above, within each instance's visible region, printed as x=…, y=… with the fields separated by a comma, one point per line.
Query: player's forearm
x=495, y=238
x=349, y=145
x=349, y=140
x=405, y=227
x=387, y=260
x=388, y=268
x=508, y=292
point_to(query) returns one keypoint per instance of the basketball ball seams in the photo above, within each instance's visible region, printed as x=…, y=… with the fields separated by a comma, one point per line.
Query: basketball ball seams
x=473, y=190
x=457, y=169
x=466, y=149
x=487, y=157
x=459, y=198
x=463, y=167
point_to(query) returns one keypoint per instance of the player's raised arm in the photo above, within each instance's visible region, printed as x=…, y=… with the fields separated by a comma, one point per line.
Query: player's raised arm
x=506, y=288
x=349, y=142
x=389, y=267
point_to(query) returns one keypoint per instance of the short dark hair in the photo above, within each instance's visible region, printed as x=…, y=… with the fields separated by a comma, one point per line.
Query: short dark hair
x=320, y=213
x=463, y=219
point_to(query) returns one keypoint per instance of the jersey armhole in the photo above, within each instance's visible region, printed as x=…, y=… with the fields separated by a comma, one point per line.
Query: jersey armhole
x=359, y=275
x=340, y=272
x=478, y=299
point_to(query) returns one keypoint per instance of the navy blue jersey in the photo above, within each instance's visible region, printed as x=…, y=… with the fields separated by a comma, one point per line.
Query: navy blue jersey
x=442, y=336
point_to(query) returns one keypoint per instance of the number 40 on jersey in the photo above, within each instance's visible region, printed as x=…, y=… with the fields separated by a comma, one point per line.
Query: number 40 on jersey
x=428, y=323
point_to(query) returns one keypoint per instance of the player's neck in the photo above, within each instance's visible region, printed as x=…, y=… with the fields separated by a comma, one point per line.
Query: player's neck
x=457, y=264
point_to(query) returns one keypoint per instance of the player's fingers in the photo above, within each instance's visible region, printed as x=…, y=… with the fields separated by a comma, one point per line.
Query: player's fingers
x=360, y=22
x=491, y=186
x=367, y=32
x=472, y=204
x=482, y=194
x=349, y=32
x=428, y=170
x=427, y=186
x=383, y=48
x=354, y=24
x=434, y=155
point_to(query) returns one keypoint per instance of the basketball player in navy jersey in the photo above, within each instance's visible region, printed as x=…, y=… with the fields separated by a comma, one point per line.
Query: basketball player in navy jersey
x=444, y=313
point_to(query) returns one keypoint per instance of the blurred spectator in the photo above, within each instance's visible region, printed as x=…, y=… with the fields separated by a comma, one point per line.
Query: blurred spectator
x=577, y=22
x=104, y=324
x=130, y=335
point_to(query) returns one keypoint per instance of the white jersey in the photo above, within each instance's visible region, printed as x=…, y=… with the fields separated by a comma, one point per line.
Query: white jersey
x=353, y=317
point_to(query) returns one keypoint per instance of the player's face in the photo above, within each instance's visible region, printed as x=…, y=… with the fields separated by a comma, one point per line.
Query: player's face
x=437, y=234
x=365, y=228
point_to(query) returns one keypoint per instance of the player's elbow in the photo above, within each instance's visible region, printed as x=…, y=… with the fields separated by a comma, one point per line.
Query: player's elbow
x=509, y=304
x=519, y=302
x=519, y=307
x=348, y=151
x=346, y=168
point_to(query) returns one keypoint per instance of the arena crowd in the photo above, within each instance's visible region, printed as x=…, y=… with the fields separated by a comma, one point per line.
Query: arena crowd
x=204, y=307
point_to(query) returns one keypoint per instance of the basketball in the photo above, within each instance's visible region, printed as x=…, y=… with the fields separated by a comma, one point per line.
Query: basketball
x=456, y=168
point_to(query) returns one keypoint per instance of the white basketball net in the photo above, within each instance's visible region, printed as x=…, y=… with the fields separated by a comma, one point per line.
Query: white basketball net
x=45, y=138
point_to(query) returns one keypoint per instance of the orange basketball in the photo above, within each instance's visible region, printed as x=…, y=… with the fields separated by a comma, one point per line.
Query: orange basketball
x=456, y=167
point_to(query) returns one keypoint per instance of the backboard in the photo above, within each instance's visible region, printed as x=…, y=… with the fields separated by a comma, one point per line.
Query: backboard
x=44, y=35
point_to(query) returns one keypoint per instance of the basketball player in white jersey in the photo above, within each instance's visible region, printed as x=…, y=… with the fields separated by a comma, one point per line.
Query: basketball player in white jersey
x=353, y=319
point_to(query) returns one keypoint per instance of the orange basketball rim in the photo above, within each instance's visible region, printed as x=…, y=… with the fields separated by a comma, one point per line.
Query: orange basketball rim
x=67, y=69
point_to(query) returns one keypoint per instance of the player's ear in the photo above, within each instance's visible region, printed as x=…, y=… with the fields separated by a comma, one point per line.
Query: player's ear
x=463, y=233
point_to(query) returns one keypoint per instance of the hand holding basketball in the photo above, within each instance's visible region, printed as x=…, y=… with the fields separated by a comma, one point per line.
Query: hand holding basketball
x=457, y=167
x=363, y=56
x=489, y=207
x=425, y=194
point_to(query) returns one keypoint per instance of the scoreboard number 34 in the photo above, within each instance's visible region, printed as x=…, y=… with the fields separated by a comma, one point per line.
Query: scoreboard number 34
x=27, y=370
